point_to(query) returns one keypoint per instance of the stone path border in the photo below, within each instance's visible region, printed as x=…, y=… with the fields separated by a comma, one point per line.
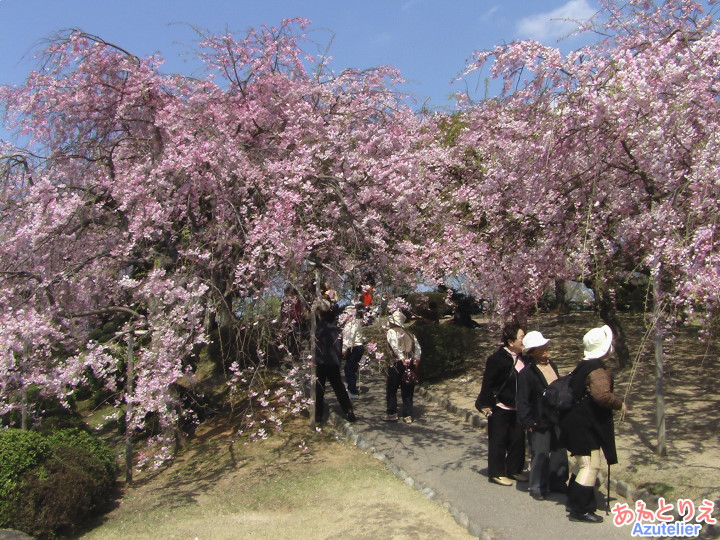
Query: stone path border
x=347, y=432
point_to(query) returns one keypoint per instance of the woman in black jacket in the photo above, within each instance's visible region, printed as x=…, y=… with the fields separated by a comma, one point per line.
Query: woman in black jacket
x=548, y=461
x=506, y=440
x=588, y=426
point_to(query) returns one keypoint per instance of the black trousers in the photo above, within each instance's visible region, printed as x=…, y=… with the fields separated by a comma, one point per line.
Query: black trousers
x=580, y=499
x=391, y=388
x=332, y=374
x=352, y=365
x=506, y=443
x=548, y=463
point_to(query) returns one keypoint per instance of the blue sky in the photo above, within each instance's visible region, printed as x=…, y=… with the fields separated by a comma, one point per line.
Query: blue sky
x=427, y=40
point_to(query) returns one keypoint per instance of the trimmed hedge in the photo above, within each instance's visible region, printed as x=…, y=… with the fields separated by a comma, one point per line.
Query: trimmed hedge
x=446, y=348
x=50, y=484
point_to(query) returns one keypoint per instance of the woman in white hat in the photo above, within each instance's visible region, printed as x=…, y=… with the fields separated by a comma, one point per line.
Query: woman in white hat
x=548, y=460
x=406, y=354
x=588, y=426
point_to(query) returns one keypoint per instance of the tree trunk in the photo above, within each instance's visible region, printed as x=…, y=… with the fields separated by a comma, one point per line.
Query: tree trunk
x=23, y=408
x=606, y=309
x=313, y=348
x=23, y=395
x=659, y=388
x=561, y=302
x=130, y=374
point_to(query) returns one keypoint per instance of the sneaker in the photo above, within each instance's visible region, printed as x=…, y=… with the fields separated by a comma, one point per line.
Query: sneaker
x=353, y=396
x=589, y=517
x=408, y=419
x=391, y=418
x=537, y=496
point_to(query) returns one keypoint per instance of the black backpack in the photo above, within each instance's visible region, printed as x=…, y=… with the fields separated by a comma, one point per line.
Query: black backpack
x=558, y=396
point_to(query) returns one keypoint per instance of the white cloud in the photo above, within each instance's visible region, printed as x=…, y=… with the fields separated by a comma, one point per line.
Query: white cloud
x=547, y=27
x=489, y=13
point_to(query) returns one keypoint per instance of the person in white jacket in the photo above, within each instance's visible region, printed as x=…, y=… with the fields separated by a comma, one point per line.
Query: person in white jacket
x=406, y=354
x=353, y=347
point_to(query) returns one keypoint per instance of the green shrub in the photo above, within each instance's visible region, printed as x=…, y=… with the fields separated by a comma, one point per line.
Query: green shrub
x=76, y=438
x=445, y=349
x=20, y=451
x=66, y=477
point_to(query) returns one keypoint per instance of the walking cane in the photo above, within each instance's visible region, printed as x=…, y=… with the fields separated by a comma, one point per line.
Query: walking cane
x=607, y=505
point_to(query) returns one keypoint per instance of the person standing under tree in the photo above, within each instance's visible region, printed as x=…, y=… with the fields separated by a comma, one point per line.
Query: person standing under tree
x=588, y=427
x=353, y=347
x=327, y=362
x=406, y=355
x=506, y=439
x=548, y=461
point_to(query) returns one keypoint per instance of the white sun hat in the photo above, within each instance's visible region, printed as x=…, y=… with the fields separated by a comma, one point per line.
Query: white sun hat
x=533, y=340
x=397, y=318
x=597, y=342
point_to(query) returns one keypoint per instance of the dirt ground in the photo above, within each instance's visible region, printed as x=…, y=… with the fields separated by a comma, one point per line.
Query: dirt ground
x=691, y=468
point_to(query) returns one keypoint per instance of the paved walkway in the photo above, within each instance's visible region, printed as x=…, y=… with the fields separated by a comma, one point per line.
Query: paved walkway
x=447, y=458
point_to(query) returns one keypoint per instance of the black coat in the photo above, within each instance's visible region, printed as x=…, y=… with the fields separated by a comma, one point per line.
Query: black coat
x=499, y=382
x=329, y=344
x=588, y=426
x=531, y=385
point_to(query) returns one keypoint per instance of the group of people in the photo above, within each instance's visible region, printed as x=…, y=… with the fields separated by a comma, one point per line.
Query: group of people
x=511, y=397
x=335, y=345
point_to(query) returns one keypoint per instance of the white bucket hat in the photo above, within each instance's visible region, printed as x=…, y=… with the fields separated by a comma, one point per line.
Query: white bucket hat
x=533, y=340
x=597, y=342
x=397, y=318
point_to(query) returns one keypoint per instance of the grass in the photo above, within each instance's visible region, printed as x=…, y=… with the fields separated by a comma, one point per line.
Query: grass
x=297, y=484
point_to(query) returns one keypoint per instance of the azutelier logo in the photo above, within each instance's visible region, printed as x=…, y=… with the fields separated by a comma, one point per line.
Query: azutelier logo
x=661, y=522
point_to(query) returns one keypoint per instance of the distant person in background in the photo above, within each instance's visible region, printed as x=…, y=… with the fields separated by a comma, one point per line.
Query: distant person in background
x=367, y=295
x=506, y=440
x=353, y=347
x=406, y=354
x=548, y=461
x=588, y=427
x=327, y=362
x=384, y=300
x=330, y=295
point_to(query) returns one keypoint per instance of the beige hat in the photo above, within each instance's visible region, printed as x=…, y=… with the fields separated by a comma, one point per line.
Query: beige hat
x=322, y=305
x=532, y=340
x=597, y=342
x=397, y=318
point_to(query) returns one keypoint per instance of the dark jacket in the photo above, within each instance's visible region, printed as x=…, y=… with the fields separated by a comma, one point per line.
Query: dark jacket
x=589, y=424
x=531, y=385
x=329, y=344
x=499, y=382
